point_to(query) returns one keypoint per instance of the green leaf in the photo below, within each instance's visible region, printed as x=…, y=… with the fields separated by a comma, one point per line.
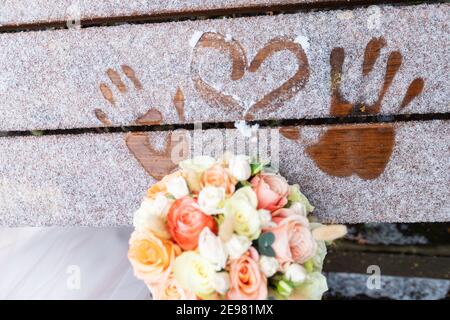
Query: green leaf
x=265, y=242
x=256, y=168
x=284, y=288
x=296, y=196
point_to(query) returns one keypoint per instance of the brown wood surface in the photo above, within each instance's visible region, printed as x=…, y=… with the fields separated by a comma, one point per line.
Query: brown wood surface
x=106, y=175
x=218, y=71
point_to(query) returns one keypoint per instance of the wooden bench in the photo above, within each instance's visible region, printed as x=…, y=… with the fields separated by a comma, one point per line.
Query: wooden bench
x=96, y=98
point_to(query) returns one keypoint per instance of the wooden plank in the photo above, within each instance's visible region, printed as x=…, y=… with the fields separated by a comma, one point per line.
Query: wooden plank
x=21, y=12
x=423, y=250
x=97, y=179
x=416, y=238
x=354, y=286
x=305, y=65
x=390, y=264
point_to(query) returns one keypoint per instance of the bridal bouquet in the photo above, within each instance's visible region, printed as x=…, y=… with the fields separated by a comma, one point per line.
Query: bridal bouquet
x=228, y=229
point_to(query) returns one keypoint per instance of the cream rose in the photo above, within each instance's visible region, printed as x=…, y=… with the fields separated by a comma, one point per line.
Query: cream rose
x=246, y=220
x=211, y=199
x=198, y=164
x=212, y=249
x=266, y=219
x=152, y=216
x=295, y=273
x=239, y=167
x=221, y=282
x=176, y=186
x=246, y=194
x=312, y=288
x=268, y=265
x=195, y=273
x=237, y=246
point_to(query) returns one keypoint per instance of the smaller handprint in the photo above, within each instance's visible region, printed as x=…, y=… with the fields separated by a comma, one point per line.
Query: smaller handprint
x=152, y=116
x=363, y=150
x=176, y=146
x=157, y=163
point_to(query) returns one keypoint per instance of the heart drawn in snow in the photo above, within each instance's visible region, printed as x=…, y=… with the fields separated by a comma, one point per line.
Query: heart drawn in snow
x=270, y=101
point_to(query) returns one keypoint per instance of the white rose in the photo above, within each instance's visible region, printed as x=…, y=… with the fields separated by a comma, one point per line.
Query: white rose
x=237, y=246
x=194, y=273
x=158, y=206
x=212, y=249
x=265, y=218
x=210, y=199
x=313, y=288
x=198, y=164
x=242, y=208
x=177, y=186
x=152, y=215
x=299, y=208
x=296, y=273
x=239, y=167
x=221, y=282
x=268, y=265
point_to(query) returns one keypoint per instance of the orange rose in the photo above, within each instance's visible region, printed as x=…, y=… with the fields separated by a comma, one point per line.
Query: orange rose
x=247, y=282
x=170, y=289
x=151, y=257
x=272, y=191
x=217, y=176
x=185, y=222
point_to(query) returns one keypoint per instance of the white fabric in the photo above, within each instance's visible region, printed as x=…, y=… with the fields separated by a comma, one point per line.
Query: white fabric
x=49, y=263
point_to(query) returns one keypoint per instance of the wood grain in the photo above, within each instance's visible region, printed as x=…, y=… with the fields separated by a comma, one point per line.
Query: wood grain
x=100, y=179
x=278, y=68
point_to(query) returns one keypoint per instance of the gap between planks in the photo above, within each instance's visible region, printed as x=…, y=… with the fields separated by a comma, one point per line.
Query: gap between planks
x=390, y=264
x=219, y=13
x=230, y=125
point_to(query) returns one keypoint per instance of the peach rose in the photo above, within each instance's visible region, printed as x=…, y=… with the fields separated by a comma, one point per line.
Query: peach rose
x=160, y=187
x=170, y=289
x=185, y=221
x=217, y=176
x=294, y=241
x=272, y=191
x=151, y=257
x=295, y=209
x=247, y=282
